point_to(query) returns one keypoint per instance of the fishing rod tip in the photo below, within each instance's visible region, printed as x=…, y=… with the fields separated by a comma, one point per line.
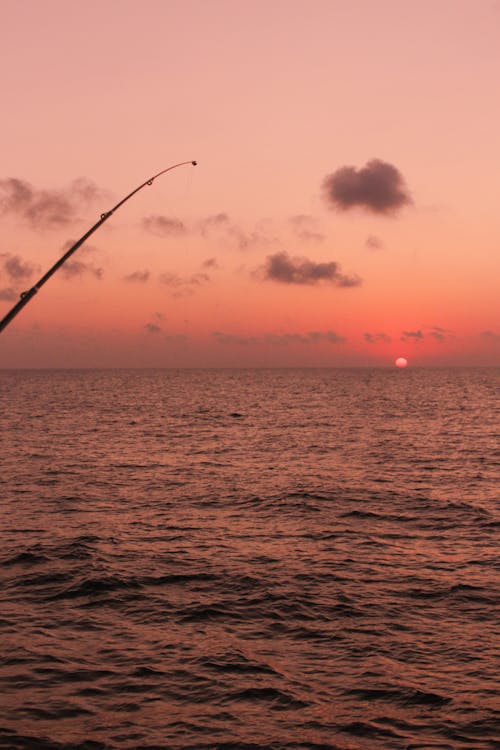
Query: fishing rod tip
x=194, y=163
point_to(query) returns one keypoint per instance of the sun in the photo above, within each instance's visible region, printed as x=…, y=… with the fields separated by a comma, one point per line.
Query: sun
x=401, y=362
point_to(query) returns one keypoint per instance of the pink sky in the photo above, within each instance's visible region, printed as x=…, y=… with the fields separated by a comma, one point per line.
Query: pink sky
x=270, y=97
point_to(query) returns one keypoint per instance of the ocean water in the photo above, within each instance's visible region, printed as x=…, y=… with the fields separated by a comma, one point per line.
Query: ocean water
x=250, y=560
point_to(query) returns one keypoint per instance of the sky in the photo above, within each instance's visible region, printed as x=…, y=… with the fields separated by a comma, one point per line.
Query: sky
x=343, y=211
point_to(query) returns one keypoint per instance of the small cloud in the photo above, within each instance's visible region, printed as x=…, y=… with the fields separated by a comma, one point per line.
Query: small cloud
x=210, y=263
x=8, y=295
x=412, y=336
x=45, y=209
x=228, y=338
x=280, y=339
x=378, y=187
x=286, y=270
x=374, y=243
x=243, y=239
x=213, y=222
x=15, y=268
x=152, y=328
x=313, y=337
x=73, y=269
x=441, y=334
x=305, y=228
x=183, y=286
x=491, y=336
x=164, y=226
x=137, y=277
x=374, y=338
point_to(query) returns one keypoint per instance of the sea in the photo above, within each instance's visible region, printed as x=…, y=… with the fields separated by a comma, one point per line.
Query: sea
x=268, y=559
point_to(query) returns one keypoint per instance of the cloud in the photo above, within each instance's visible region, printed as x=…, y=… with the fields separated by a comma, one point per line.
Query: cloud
x=210, y=263
x=212, y=222
x=280, y=339
x=8, y=294
x=163, y=226
x=305, y=228
x=15, y=268
x=286, y=270
x=440, y=334
x=137, y=277
x=152, y=328
x=374, y=243
x=46, y=209
x=412, y=336
x=374, y=338
x=378, y=187
x=491, y=336
x=73, y=269
x=313, y=337
x=228, y=338
x=183, y=286
x=244, y=240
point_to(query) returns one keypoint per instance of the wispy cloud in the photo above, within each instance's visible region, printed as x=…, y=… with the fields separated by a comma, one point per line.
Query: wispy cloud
x=375, y=338
x=378, y=187
x=164, y=226
x=440, y=334
x=414, y=337
x=137, y=277
x=229, y=339
x=210, y=263
x=152, y=328
x=16, y=268
x=45, y=208
x=491, y=336
x=374, y=243
x=280, y=339
x=8, y=294
x=74, y=269
x=183, y=286
x=287, y=270
x=213, y=222
x=432, y=332
x=305, y=228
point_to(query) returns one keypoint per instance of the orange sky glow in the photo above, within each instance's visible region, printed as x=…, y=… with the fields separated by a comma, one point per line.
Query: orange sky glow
x=344, y=207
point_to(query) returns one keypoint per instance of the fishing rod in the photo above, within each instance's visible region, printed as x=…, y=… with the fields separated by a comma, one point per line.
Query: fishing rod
x=26, y=296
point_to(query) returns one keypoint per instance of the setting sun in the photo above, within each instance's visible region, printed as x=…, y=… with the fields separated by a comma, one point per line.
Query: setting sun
x=401, y=362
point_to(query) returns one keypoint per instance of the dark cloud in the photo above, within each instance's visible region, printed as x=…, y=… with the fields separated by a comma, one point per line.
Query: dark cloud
x=15, y=268
x=164, y=226
x=378, y=187
x=152, y=328
x=210, y=263
x=281, y=267
x=46, y=209
x=374, y=338
x=183, y=286
x=74, y=269
x=8, y=294
x=137, y=277
x=374, y=243
x=412, y=336
x=305, y=227
x=491, y=336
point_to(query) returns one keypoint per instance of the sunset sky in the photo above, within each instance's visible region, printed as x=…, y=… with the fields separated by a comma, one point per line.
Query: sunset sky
x=344, y=210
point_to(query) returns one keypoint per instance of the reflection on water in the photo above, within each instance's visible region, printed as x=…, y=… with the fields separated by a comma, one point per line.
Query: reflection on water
x=249, y=559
